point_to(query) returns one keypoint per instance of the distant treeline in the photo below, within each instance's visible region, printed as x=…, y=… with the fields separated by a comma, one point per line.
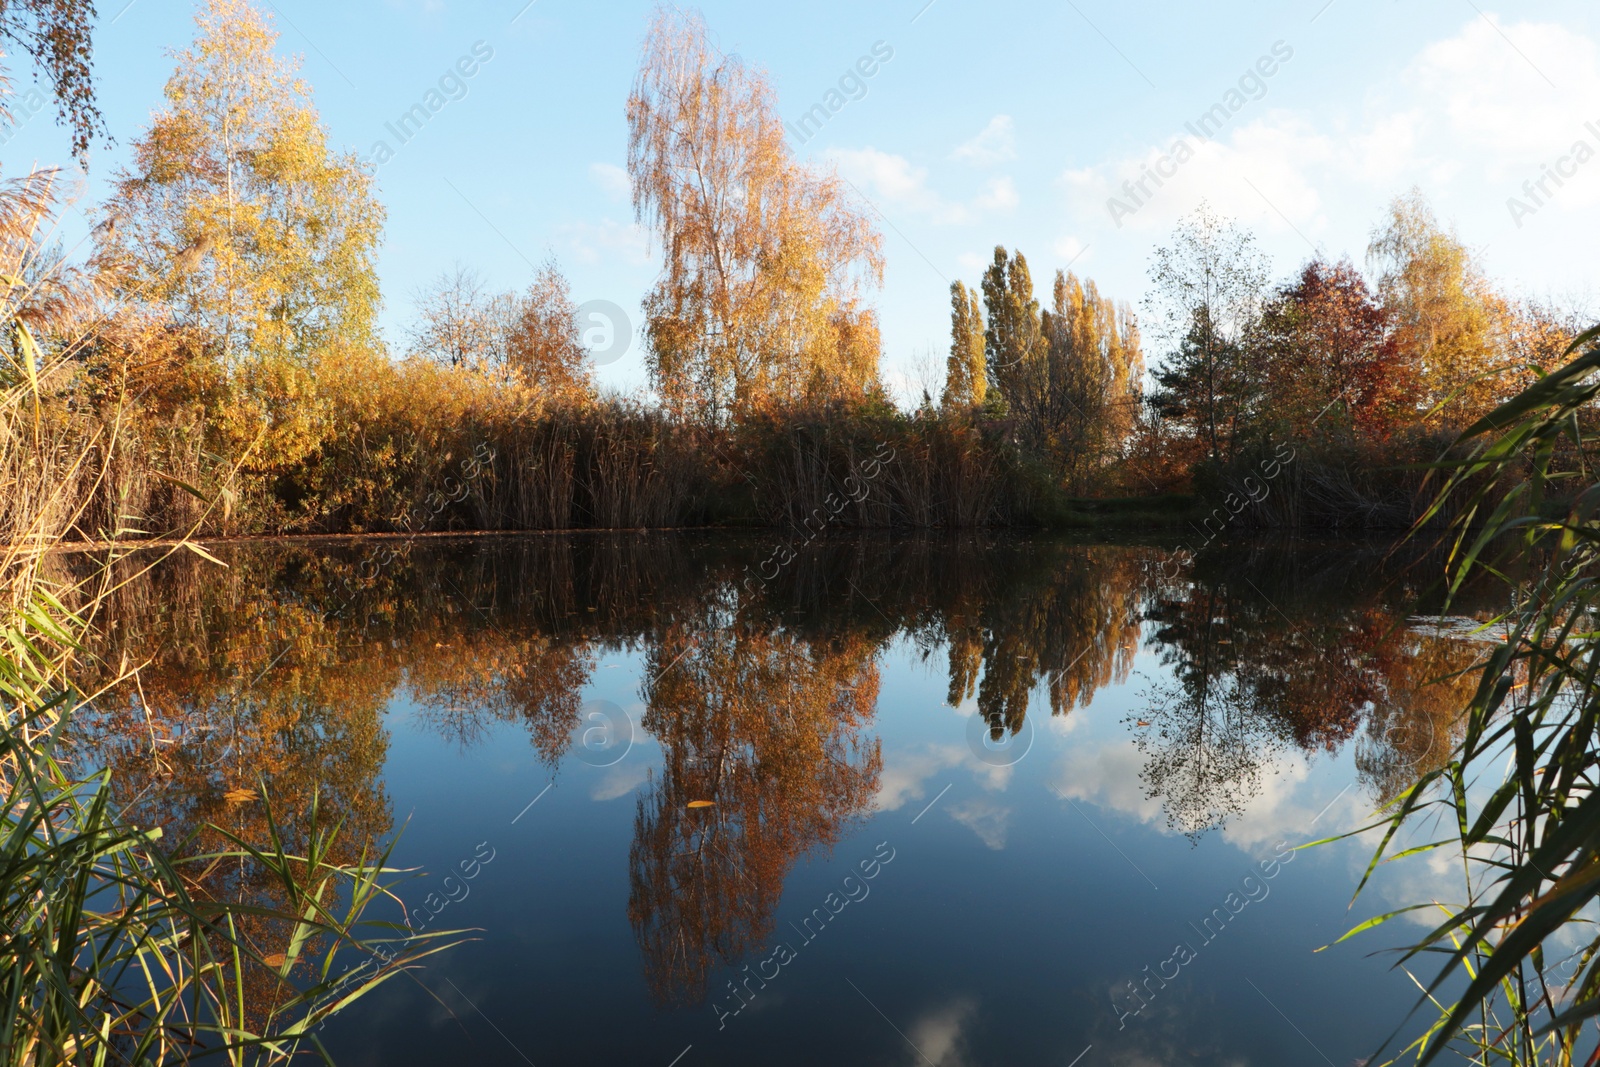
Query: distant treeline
x=216, y=363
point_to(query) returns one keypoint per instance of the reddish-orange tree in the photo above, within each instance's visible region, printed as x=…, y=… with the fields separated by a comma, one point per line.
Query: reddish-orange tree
x=1328, y=356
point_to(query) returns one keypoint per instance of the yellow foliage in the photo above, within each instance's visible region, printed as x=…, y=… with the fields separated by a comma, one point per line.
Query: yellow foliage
x=759, y=303
x=235, y=218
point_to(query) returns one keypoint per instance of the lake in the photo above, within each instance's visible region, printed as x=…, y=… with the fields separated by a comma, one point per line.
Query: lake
x=967, y=800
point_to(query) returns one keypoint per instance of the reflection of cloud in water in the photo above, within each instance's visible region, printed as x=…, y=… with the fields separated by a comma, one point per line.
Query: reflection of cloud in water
x=906, y=773
x=1108, y=777
x=937, y=1034
x=991, y=777
x=620, y=780
x=985, y=818
x=1062, y=725
x=1286, y=806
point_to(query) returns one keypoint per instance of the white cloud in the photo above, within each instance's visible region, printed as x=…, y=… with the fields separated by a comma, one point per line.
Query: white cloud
x=1259, y=172
x=1290, y=805
x=905, y=774
x=996, y=143
x=999, y=195
x=892, y=180
x=612, y=179
x=1489, y=114
x=1108, y=777
x=1385, y=153
x=896, y=185
x=919, y=774
x=1496, y=84
x=607, y=240
x=1470, y=118
x=1070, y=249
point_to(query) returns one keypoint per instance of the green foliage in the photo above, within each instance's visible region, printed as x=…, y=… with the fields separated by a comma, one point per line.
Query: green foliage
x=110, y=958
x=1519, y=794
x=113, y=952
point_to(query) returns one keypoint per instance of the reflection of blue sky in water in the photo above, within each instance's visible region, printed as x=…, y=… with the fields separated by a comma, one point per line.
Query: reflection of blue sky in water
x=1033, y=879
x=997, y=936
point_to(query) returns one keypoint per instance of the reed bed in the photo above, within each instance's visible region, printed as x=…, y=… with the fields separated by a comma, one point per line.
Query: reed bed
x=118, y=947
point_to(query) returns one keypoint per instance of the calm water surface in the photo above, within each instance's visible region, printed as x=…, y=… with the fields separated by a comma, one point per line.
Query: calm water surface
x=966, y=801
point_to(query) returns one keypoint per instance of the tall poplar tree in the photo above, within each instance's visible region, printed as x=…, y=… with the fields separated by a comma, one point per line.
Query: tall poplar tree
x=966, y=372
x=1013, y=336
x=1082, y=396
x=1069, y=376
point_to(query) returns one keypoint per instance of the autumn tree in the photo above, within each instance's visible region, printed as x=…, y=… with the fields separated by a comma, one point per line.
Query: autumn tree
x=532, y=339
x=760, y=300
x=1069, y=375
x=1208, y=288
x=1082, y=395
x=236, y=217
x=1012, y=335
x=58, y=36
x=1327, y=356
x=460, y=323
x=966, y=371
x=1537, y=335
x=544, y=345
x=1447, y=319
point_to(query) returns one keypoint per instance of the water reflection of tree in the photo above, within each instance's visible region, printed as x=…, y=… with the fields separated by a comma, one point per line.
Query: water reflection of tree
x=1206, y=752
x=228, y=705
x=1413, y=728
x=1271, y=648
x=767, y=728
x=279, y=668
x=491, y=677
x=1072, y=624
x=262, y=694
x=1206, y=743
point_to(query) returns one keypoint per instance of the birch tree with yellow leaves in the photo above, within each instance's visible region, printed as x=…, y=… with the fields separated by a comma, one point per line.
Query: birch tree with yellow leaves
x=760, y=302
x=237, y=223
x=235, y=216
x=1450, y=325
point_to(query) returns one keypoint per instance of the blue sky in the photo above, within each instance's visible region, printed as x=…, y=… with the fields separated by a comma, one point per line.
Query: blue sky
x=1002, y=122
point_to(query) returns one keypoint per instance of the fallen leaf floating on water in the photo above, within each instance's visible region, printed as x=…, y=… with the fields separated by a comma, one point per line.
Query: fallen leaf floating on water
x=239, y=796
x=274, y=960
x=702, y=803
